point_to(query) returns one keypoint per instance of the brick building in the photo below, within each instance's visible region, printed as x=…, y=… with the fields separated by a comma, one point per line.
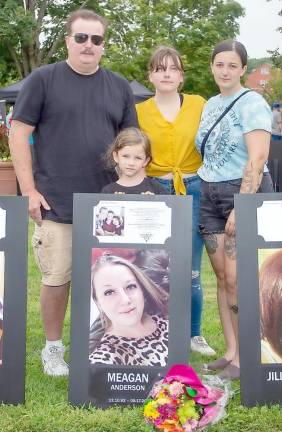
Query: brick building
x=259, y=78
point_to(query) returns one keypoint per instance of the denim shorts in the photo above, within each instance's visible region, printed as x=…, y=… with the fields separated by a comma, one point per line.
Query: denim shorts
x=217, y=201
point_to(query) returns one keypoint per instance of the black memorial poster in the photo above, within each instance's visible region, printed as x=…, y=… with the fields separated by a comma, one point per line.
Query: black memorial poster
x=131, y=302
x=13, y=249
x=259, y=244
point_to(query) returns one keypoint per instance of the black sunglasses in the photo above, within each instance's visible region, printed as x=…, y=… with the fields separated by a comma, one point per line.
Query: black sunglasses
x=81, y=38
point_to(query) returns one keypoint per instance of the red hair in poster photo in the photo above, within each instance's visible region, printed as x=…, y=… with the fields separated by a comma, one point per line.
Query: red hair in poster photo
x=270, y=284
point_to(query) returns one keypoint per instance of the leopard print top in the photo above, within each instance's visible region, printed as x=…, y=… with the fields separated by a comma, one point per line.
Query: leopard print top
x=151, y=350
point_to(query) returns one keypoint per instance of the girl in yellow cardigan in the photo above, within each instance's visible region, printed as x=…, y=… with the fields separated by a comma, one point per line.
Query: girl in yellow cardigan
x=171, y=120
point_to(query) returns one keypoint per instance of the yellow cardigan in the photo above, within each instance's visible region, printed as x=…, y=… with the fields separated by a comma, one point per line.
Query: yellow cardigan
x=173, y=143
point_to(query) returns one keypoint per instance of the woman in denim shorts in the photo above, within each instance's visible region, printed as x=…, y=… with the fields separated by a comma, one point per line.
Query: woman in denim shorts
x=234, y=162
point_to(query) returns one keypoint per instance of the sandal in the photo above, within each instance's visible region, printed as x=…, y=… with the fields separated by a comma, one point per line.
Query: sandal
x=220, y=363
x=231, y=372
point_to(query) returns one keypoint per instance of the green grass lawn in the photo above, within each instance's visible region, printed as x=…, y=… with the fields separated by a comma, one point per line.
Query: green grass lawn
x=47, y=409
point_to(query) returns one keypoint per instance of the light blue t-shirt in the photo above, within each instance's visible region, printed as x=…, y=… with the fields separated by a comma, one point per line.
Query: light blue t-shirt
x=226, y=153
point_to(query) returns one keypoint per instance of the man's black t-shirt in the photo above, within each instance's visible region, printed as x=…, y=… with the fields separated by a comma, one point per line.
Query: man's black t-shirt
x=75, y=117
x=147, y=186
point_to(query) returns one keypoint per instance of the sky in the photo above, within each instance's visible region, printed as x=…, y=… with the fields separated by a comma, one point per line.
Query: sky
x=257, y=28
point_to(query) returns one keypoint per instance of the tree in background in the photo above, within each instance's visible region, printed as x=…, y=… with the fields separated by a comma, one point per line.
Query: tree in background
x=32, y=31
x=32, y=34
x=276, y=56
x=273, y=89
x=191, y=26
x=275, y=85
x=8, y=73
x=276, y=89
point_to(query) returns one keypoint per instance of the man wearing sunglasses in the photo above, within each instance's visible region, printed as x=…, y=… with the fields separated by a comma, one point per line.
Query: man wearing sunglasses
x=74, y=109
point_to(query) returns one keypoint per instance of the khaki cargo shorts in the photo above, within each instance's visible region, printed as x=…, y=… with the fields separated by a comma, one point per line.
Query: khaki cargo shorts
x=52, y=246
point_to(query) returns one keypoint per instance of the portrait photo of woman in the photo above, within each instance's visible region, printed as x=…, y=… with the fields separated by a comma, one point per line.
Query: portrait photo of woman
x=132, y=325
x=270, y=288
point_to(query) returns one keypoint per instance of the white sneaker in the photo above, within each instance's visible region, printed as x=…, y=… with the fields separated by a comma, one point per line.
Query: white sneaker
x=53, y=361
x=200, y=345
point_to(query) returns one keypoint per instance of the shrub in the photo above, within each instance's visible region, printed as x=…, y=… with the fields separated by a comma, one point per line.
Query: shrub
x=4, y=145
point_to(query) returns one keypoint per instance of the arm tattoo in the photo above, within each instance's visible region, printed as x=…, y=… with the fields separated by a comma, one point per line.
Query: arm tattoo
x=251, y=180
x=211, y=243
x=230, y=247
x=247, y=181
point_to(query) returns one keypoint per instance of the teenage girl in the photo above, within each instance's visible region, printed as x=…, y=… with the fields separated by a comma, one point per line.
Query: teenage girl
x=171, y=120
x=130, y=153
x=234, y=162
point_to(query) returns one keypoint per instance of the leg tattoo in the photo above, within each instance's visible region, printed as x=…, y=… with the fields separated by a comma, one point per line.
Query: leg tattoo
x=230, y=247
x=211, y=243
x=234, y=308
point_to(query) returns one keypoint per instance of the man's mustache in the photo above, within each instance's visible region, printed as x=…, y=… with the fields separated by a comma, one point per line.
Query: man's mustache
x=87, y=51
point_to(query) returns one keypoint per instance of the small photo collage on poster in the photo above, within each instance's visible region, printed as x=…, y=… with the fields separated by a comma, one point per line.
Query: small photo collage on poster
x=129, y=321
x=270, y=292
x=109, y=220
x=132, y=222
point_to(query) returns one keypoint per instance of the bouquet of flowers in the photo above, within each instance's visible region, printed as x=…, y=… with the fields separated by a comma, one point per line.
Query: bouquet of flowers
x=181, y=403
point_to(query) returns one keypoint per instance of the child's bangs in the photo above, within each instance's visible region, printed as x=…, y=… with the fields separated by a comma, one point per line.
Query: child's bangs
x=160, y=60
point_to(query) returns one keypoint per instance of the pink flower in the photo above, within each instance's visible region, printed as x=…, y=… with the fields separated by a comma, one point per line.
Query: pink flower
x=167, y=411
x=159, y=421
x=176, y=389
x=158, y=388
x=190, y=425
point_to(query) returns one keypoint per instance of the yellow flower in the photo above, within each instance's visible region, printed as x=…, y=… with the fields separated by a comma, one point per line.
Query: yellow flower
x=170, y=426
x=163, y=400
x=150, y=410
